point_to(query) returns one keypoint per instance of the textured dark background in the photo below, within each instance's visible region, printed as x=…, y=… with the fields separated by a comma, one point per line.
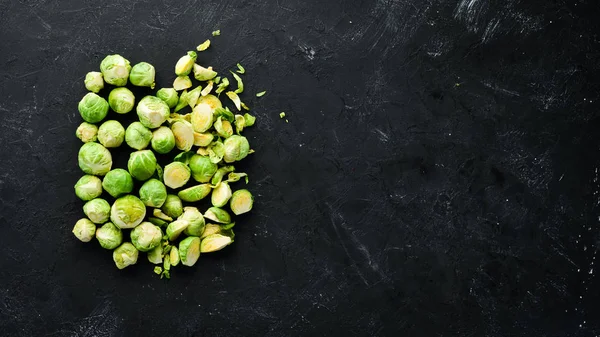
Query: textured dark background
x=438, y=175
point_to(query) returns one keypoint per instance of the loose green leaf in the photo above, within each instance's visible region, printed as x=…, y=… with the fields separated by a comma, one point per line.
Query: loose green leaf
x=216, y=32
x=217, y=79
x=261, y=94
x=158, y=270
x=184, y=157
x=222, y=86
x=225, y=113
x=241, y=69
x=250, y=120
x=240, y=83
x=208, y=89
x=244, y=106
x=235, y=99
x=203, y=46
x=282, y=115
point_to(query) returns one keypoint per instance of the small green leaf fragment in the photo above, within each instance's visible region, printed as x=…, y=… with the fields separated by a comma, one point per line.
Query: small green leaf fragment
x=203, y=46
x=261, y=94
x=235, y=99
x=250, y=120
x=244, y=106
x=158, y=270
x=240, y=83
x=282, y=115
x=223, y=85
x=217, y=79
x=241, y=69
x=216, y=32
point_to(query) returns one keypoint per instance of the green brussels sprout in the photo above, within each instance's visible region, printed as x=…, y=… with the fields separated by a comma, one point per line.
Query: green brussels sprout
x=203, y=139
x=221, y=172
x=94, y=82
x=175, y=228
x=203, y=74
x=163, y=140
x=97, y=210
x=172, y=206
x=202, y=168
x=93, y=108
x=142, y=75
x=249, y=119
x=127, y=212
x=94, y=159
x=184, y=135
x=221, y=194
x=137, y=136
x=241, y=202
x=169, y=96
x=185, y=63
x=202, y=117
x=84, y=230
x=117, y=182
x=236, y=148
x=213, y=101
x=195, y=220
x=88, y=187
x=214, y=242
x=142, y=164
x=195, y=193
x=152, y=111
x=189, y=250
x=155, y=255
x=109, y=236
x=115, y=70
x=181, y=83
x=218, y=215
x=153, y=193
x=121, y=100
x=111, y=134
x=211, y=229
x=125, y=255
x=176, y=174
x=87, y=132
x=174, y=256
x=146, y=236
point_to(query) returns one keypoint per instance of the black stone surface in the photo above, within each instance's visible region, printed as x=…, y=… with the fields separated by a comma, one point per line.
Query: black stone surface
x=438, y=175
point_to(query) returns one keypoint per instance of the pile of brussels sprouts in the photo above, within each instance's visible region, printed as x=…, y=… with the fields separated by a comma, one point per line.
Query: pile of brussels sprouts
x=154, y=205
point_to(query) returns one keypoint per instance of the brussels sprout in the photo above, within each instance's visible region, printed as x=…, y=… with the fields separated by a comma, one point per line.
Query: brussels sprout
x=88, y=187
x=203, y=139
x=111, y=134
x=184, y=135
x=221, y=194
x=203, y=46
x=196, y=221
x=146, y=236
x=84, y=230
x=210, y=229
x=87, y=132
x=249, y=119
x=176, y=174
x=94, y=159
x=117, y=182
x=97, y=210
x=221, y=172
x=235, y=99
x=109, y=236
x=214, y=242
x=193, y=96
x=182, y=82
x=213, y=101
x=163, y=140
x=184, y=65
x=125, y=255
x=127, y=212
x=202, y=117
x=153, y=193
x=155, y=255
x=175, y=228
x=189, y=250
x=223, y=128
x=142, y=75
x=202, y=151
x=202, y=168
x=137, y=136
x=169, y=96
x=216, y=151
x=159, y=214
x=203, y=74
x=115, y=70
x=236, y=148
x=218, y=215
x=195, y=193
x=241, y=202
x=172, y=206
x=93, y=108
x=174, y=256
x=121, y=100
x=240, y=123
x=141, y=164
x=94, y=82
x=152, y=111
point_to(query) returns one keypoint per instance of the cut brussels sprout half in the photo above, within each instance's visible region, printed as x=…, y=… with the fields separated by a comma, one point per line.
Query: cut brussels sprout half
x=175, y=228
x=121, y=100
x=111, y=134
x=93, y=108
x=137, y=136
x=84, y=230
x=169, y=96
x=203, y=139
x=241, y=202
x=184, y=135
x=117, y=182
x=94, y=81
x=214, y=242
x=195, y=193
x=88, y=187
x=202, y=117
x=115, y=70
x=109, y=236
x=221, y=194
x=127, y=212
x=203, y=74
x=163, y=140
x=146, y=236
x=153, y=193
x=155, y=256
x=94, y=159
x=218, y=215
x=97, y=210
x=213, y=101
x=174, y=256
x=176, y=174
x=223, y=128
x=87, y=132
x=182, y=82
x=183, y=67
x=189, y=250
x=125, y=255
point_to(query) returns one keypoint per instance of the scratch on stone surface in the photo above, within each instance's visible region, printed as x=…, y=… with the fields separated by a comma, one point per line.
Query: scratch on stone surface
x=384, y=137
x=469, y=12
x=498, y=89
x=308, y=51
x=490, y=29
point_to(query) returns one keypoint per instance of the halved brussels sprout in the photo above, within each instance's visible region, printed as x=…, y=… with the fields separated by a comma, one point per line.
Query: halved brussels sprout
x=163, y=140
x=202, y=168
x=195, y=219
x=214, y=242
x=184, y=65
x=182, y=82
x=117, y=182
x=87, y=132
x=142, y=75
x=125, y=255
x=109, y=236
x=172, y=206
x=121, y=100
x=146, y=236
x=141, y=164
x=202, y=117
x=184, y=135
x=84, y=230
x=115, y=70
x=152, y=111
x=195, y=193
x=176, y=175
x=236, y=148
x=169, y=96
x=94, y=82
x=127, y=212
x=94, y=159
x=218, y=215
x=223, y=128
x=92, y=108
x=250, y=120
x=221, y=194
x=88, y=187
x=111, y=134
x=213, y=101
x=203, y=139
x=189, y=250
x=97, y=210
x=241, y=202
x=209, y=229
x=203, y=74
x=155, y=255
x=174, y=256
x=137, y=136
x=175, y=228
x=153, y=193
